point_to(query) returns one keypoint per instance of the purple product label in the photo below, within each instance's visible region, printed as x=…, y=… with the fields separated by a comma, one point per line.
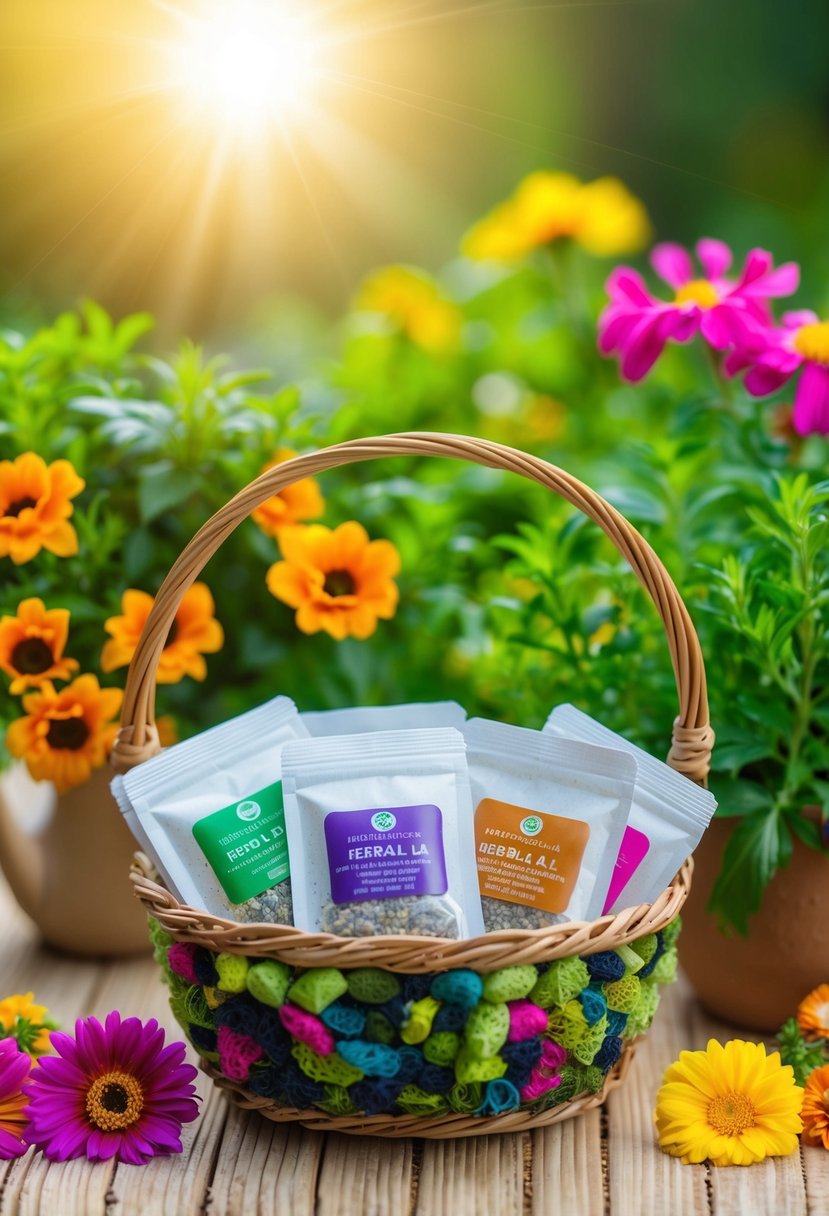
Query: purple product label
x=385, y=853
x=632, y=850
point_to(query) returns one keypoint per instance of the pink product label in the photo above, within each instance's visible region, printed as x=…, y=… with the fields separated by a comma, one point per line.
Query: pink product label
x=385, y=853
x=632, y=850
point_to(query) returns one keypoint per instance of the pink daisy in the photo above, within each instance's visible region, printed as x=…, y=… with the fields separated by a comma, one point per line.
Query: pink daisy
x=802, y=340
x=112, y=1091
x=727, y=312
x=14, y=1068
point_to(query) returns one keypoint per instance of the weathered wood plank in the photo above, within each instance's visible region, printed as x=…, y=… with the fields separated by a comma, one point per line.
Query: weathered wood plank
x=366, y=1178
x=815, y=1163
x=474, y=1176
x=567, y=1163
x=641, y=1177
x=264, y=1169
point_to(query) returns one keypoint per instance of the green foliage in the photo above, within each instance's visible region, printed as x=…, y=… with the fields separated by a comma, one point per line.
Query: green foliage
x=804, y=1057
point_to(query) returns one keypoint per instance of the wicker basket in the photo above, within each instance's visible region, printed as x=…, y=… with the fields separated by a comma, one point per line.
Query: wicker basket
x=206, y=1001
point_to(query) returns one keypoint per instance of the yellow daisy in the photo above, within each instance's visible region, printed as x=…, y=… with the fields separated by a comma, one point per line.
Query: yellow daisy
x=602, y=216
x=413, y=304
x=731, y=1105
x=26, y=1022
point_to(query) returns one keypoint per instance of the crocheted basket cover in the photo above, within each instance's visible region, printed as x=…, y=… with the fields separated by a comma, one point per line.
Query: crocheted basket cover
x=369, y=1042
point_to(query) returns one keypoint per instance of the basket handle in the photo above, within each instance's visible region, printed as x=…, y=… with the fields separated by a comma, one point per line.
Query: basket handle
x=692, y=738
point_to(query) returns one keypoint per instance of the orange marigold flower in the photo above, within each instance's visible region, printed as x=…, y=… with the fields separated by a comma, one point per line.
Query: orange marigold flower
x=813, y=1014
x=815, y=1110
x=292, y=505
x=339, y=580
x=66, y=734
x=194, y=633
x=31, y=645
x=35, y=507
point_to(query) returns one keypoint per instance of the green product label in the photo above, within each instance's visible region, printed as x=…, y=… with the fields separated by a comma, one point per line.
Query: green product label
x=246, y=844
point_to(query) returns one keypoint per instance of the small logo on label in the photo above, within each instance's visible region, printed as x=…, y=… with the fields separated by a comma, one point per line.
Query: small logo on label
x=383, y=821
x=248, y=810
x=531, y=826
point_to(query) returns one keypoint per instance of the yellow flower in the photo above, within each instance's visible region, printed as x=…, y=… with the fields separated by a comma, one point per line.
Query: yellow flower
x=731, y=1104
x=813, y=1014
x=194, y=633
x=66, y=734
x=816, y=1108
x=338, y=580
x=31, y=645
x=29, y=1024
x=413, y=305
x=292, y=505
x=35, y=507
x=601, y=216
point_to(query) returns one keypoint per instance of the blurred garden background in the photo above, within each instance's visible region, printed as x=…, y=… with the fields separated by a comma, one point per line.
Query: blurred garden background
x=232, y=231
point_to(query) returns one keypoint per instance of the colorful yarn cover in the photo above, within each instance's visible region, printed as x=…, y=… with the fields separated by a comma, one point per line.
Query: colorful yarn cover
x=371, y=1042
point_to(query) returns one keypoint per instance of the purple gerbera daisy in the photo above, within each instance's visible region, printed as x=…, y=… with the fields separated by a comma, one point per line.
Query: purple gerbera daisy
x=14, y=1068
x=112, y=1091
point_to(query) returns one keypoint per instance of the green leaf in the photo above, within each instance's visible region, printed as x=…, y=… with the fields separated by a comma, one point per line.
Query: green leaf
x=752, y=856
x=736, y=747
x=738, y=797
x=161, y=487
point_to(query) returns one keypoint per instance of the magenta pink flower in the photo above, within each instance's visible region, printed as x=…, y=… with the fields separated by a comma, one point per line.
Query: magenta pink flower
x=14, y=1068
x=112, y=1091
x=802, y=340
x=727, y=312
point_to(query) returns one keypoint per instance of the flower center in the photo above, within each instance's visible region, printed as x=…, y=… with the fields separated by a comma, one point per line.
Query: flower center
x=68, y=734
x=172, y=634
x=812, y=342
x=339, y=582
x=698, y=291
x=32, y=656
x=114, y=1101
x=14, y=508
x=731, y=1114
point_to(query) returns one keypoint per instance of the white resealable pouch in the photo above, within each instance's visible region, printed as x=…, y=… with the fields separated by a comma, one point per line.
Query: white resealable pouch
x=209, y=813
x=668, y=815
x=549, y=819
x=419, y=715
x=380, y=834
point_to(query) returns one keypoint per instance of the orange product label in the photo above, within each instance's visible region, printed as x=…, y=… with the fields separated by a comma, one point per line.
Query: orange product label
x=526, y=857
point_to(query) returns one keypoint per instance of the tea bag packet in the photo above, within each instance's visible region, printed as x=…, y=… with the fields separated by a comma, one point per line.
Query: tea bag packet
x=668, y=814
x=549, y=819
x=419, y=715
x=380, y=834
x=209, y=813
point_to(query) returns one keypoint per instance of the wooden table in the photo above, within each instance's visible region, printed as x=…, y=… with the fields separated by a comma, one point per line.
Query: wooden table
x=234, y=1163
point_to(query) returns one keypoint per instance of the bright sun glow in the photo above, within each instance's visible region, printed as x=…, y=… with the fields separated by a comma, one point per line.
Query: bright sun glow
x=248, y=63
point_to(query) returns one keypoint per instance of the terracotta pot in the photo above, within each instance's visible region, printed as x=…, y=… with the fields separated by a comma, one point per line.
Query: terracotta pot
x=71, y=874
x=758, y=981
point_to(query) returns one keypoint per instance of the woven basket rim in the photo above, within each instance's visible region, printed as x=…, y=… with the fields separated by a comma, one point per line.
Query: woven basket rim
x=405, y=954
